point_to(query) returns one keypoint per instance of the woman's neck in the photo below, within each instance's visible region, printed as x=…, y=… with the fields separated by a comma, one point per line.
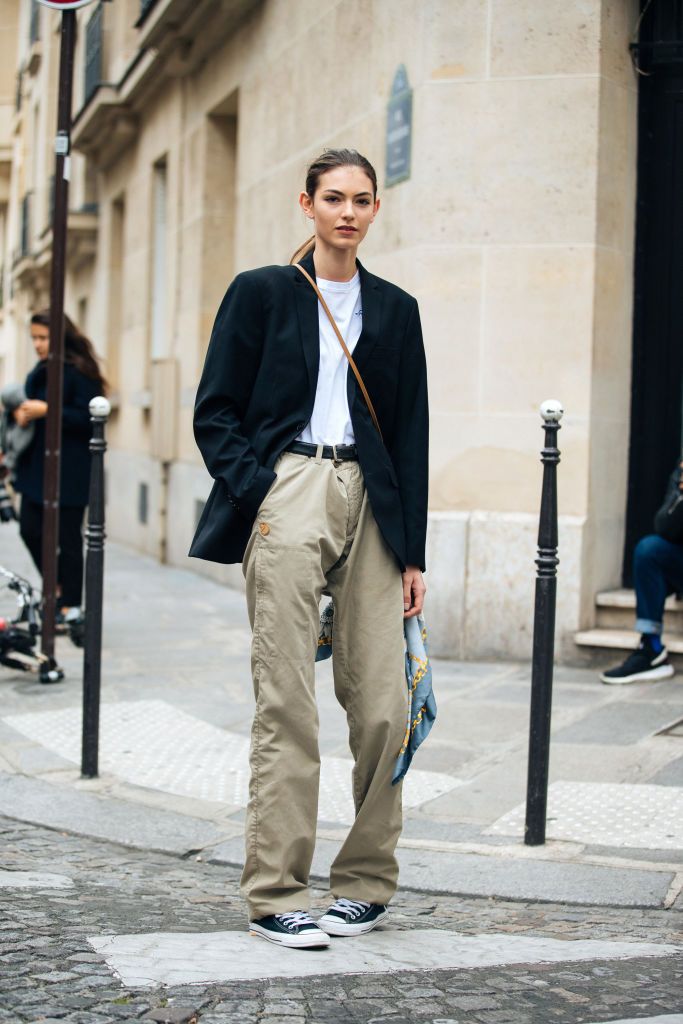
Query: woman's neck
x=334, y=264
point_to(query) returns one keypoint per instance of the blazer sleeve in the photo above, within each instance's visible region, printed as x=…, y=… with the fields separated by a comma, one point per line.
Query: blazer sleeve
x=225, y=387
x=410, y=447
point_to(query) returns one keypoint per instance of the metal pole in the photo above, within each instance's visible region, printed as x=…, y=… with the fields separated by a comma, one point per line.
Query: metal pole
x=94, y=578
x=544, y=634
x=55, y=359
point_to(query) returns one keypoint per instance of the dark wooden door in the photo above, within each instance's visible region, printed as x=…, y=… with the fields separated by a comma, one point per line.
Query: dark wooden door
x=657, y=381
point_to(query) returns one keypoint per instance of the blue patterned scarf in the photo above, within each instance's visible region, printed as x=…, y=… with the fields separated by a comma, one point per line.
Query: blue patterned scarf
x=421, y=700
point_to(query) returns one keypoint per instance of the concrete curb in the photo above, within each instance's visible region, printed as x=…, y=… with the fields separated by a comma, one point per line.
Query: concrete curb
x=501, y=872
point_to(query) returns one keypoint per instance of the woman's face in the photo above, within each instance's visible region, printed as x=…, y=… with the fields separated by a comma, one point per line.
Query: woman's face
x=40, y=336
x=343, y=207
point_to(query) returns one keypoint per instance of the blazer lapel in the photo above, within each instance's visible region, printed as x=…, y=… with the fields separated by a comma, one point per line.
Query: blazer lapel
x=307, y=310
x=371, y=301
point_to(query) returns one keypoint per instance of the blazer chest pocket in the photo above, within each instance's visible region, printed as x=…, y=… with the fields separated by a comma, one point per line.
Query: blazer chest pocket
x=384, y=355
x=380, y=374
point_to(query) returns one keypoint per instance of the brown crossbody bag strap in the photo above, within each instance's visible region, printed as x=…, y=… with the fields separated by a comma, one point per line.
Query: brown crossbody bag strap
x=348, y=355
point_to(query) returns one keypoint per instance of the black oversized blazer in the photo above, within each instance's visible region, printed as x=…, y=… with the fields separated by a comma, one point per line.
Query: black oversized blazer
x=257, y=391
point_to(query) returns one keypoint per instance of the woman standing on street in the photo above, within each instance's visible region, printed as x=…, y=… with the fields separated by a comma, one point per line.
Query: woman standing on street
x=313, y=499
x=83, y=380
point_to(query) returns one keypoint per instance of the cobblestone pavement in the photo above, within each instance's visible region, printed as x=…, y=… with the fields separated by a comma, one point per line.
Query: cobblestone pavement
x=50, y=973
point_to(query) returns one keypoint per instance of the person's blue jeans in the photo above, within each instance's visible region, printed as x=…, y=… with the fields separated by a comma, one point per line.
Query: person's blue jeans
x=657, y=572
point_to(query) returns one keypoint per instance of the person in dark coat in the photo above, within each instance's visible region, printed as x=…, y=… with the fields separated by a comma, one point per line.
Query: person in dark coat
x=314, y=494
x=657, y=572
x=83, y=381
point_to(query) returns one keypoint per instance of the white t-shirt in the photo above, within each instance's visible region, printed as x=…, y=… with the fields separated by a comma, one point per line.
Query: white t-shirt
x=330, y=421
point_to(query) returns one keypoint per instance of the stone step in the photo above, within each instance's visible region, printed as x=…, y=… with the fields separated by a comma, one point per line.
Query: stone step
x=616, y=609
x=623, y=639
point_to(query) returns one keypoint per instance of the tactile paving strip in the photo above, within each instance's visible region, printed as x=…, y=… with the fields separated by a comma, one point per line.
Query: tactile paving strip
x=607, y=814
x=153, y=744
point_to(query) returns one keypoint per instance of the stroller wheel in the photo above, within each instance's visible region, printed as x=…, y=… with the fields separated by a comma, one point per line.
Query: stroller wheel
x=50, y=672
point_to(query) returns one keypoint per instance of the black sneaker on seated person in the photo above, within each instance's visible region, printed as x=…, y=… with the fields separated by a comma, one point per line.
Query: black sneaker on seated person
x=642, y=666
x=296, y=929
x=352, y=917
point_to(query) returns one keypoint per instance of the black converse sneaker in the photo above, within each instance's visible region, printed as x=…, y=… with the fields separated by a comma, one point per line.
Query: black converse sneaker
x=644, y=665
x=352, y=917
x=296, y=929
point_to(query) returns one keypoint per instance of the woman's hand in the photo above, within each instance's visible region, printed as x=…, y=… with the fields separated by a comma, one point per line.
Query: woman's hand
x=414, y=591
x=31, y=409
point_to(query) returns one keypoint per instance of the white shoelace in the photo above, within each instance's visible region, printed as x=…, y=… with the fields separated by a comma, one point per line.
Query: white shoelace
x=354, y=908
x=295, y=918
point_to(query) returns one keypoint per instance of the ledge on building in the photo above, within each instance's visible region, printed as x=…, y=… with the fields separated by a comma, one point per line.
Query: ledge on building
x=141, y=399
x=30, y=273
x=105, y=126
x=176, y=37
x=32, y=269
x=189, y=19
x=81, y=237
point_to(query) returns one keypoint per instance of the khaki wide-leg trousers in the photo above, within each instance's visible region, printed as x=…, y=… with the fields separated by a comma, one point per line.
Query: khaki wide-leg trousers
x=315, y=533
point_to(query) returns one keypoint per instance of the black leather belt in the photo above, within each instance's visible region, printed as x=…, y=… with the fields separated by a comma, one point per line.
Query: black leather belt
x=338, y=452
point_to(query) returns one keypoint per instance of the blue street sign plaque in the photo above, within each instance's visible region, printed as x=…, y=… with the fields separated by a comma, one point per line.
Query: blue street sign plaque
x=399, y=128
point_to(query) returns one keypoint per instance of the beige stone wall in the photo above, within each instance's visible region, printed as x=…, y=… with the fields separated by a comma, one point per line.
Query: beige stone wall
x=515, y=232
x=610, y=372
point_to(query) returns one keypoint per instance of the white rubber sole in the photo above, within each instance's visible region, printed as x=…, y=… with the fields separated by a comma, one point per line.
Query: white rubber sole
x=651, y=676
x=333, y=926
x=304, y=940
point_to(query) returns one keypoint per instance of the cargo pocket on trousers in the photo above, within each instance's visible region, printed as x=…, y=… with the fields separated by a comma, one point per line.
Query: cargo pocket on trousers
x=286, y=613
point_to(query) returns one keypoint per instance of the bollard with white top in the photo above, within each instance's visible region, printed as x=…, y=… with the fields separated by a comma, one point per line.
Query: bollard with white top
x=94, y=580
x=544, y=633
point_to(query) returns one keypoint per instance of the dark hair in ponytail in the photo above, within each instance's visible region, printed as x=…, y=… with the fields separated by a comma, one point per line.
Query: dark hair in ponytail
x=78, y=350
x=327, y=161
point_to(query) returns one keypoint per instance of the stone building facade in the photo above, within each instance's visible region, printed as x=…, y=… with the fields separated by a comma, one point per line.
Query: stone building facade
x=194, y=123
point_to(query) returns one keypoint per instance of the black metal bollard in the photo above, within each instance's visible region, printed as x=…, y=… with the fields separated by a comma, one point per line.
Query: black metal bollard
x=544, y=634
x=94, y=578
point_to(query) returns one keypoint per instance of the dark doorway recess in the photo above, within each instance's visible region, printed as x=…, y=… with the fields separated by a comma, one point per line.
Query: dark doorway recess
x=657, y=382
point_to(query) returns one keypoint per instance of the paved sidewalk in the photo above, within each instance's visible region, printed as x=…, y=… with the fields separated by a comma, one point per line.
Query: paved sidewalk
x=177, y=705
x=610, y=965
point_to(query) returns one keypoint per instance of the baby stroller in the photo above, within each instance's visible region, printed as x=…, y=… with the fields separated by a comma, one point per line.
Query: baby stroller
x=19, y=636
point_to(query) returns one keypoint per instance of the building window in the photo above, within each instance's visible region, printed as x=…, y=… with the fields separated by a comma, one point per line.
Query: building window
x=116, y=291
x=25, y=235
x=93, y=53
x=159, y=348
x=90, y=203
x=34, y=23
x=83, y=315
x=51, y=199
x=220, y=207
x=143, y=503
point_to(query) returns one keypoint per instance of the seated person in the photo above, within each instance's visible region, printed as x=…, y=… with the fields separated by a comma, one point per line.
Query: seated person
x=657, y=572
